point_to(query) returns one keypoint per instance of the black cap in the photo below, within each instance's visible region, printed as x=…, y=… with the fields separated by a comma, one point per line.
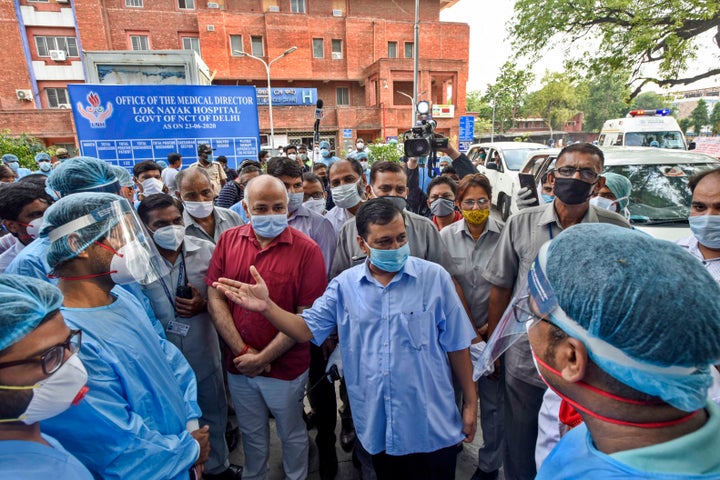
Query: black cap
x=204, y=148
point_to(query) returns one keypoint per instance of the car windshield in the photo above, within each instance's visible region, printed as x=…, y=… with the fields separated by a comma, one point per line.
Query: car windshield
x=672, y=139
x=515, y=158
x=660, y=193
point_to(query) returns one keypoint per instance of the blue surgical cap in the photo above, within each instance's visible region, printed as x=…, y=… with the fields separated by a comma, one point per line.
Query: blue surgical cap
x=648, y=300
x=83, y=174
x=123, y=176
x=71, y=208
x=42, y=156
x=445, y=158
x=360, y=156
x=9, y=158
x=162, y=163
x=620, y=186
x=325, y=144
x=25, y=302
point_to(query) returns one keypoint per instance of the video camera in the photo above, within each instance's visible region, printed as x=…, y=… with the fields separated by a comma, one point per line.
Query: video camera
x=421, y=140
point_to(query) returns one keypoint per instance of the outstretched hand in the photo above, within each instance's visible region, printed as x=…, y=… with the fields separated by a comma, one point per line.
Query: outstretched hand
x=251, y=297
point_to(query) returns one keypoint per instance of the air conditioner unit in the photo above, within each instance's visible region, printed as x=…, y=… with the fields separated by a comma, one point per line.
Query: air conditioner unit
x=64, y=106
x=337, y=55
x=24, y=95
x=62, y=1
x=213, y=5
x=58, y=55
x=337, y=13
x=211, y=28
x=273, y=8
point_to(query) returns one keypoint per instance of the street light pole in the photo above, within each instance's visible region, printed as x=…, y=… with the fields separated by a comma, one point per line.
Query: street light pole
x=269, y=91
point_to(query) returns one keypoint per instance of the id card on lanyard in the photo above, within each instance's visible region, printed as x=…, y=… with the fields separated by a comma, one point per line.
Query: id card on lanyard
x=176, y=326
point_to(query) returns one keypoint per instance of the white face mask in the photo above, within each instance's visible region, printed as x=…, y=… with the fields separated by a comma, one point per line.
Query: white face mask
x=292, y=156
x=360, y=145
x=317, y=205
x=199, y=209
x=55, y=394
x=294, y=201
x=170, y=237
x=604, y=203
x=45, y=166
x=346, y=196
x=152, y=186
x=34, y=227
x=132, y=264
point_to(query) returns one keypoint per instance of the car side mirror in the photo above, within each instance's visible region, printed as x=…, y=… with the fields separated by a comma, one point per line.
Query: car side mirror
x=692, y=145
x=491, y=166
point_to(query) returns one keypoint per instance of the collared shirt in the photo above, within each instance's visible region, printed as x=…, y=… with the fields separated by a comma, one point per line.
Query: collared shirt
x=168, y=178
x=337, y=217
x=519, y=243
x=200, y=344
x=456, y=218
x=692, y=456
x=470, y=257
x=317, y=228
x=712, y=265
x=36, y=461
x=7, y=241
x=423, y=237
x=216, y=172
x=224, y=220
x=395, y=341
x=293, y=269
x=9, y=255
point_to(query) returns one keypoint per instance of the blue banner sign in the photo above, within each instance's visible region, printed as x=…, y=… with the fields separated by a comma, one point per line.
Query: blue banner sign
x=467, y=128
x=127, y=124
x=288, y=96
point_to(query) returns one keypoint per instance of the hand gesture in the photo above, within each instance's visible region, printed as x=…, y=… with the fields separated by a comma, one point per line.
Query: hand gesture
x=189, y=307
x=524, y=198
x=412, y=163
x=251, y=297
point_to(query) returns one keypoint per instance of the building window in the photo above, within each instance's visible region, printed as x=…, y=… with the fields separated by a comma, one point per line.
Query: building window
x=57, y=97
x=392, y=49
x=191, y=43
x=409, y=49
x=134, y=3
x=257, y=46
x=236, y=45
x=337, y=53
x=186, y=4
x=139, y=42
x=343, y=95
x=44, y=44
x=318, y=48
x=297, y=6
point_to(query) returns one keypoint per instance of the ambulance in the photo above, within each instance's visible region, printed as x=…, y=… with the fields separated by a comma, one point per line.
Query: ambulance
x=643, y=128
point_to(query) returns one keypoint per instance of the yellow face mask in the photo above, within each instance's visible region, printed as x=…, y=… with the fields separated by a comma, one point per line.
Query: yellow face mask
x=476, y=217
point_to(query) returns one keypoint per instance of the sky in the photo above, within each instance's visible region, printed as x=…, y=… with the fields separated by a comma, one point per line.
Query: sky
x=490, y=47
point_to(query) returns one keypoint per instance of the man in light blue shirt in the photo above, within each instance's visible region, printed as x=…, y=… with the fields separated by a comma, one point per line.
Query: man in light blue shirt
x=403, y=330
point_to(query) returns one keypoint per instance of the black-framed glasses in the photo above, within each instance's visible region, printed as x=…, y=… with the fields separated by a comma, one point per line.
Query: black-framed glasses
x=587, y=174
x=52, y=358
x=522, y=312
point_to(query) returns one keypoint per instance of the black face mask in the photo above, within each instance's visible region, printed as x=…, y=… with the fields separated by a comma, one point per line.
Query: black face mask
x=572, y=191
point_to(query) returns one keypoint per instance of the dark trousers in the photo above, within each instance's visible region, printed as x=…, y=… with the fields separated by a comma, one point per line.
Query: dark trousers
x=523, y=402
x=322, y=400
x=437, y=465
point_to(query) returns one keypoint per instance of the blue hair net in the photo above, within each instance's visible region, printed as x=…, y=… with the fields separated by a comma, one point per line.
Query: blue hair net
x=360, y=156
x=71, y=208
x=445, y=158
x=641, y=298
x=123, y=176
x=325, y=144
x=83, y=174
x=163, y=164
x=42, y=156
x=9, y=158
x=25, y=302
x=619, y=186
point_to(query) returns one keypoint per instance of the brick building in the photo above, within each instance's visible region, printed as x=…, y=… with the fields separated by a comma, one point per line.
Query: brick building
x=357, y=53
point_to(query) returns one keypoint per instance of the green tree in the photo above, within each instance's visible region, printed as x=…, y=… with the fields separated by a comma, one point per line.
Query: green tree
x=715, y=119
x=384, y=152
x=23, y=146
x=613, y=35
x=602, y=98
x=649, y=101
x=700, y=116
x=508, y=94
x=474, y=101
x=684, y=124
x=556, y=102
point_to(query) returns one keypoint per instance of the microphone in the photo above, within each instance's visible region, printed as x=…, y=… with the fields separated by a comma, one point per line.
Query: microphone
x=332, y=375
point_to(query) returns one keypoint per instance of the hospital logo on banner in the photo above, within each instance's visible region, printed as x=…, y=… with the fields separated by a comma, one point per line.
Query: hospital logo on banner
x=95, y=113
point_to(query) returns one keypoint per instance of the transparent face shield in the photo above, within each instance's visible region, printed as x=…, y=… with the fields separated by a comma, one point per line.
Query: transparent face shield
x=116, y=228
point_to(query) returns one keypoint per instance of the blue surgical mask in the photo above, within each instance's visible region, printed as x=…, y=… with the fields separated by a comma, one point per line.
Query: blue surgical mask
x=325, y=152
x=548, y=198
x=706, y=229
x=294, y=201
x=389, y=260
x=269, y=226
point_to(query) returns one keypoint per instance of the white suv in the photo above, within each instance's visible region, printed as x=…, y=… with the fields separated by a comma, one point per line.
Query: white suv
x=501, y=165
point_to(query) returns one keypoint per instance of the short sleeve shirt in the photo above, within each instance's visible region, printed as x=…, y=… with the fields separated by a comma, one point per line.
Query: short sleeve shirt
x=293, y=268
x=712, y=265
x=224, y=220
x=217, y=174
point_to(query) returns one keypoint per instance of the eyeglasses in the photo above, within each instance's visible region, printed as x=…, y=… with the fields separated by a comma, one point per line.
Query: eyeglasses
x=52, y=359
x=522, y=312
x=587, y=174
x=470, y=203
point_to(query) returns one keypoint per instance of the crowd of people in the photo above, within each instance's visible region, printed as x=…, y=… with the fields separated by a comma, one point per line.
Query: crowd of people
x=143, y=310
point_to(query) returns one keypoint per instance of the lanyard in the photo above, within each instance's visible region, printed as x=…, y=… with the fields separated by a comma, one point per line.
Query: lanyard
x=550, y=230
x=181, y=276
